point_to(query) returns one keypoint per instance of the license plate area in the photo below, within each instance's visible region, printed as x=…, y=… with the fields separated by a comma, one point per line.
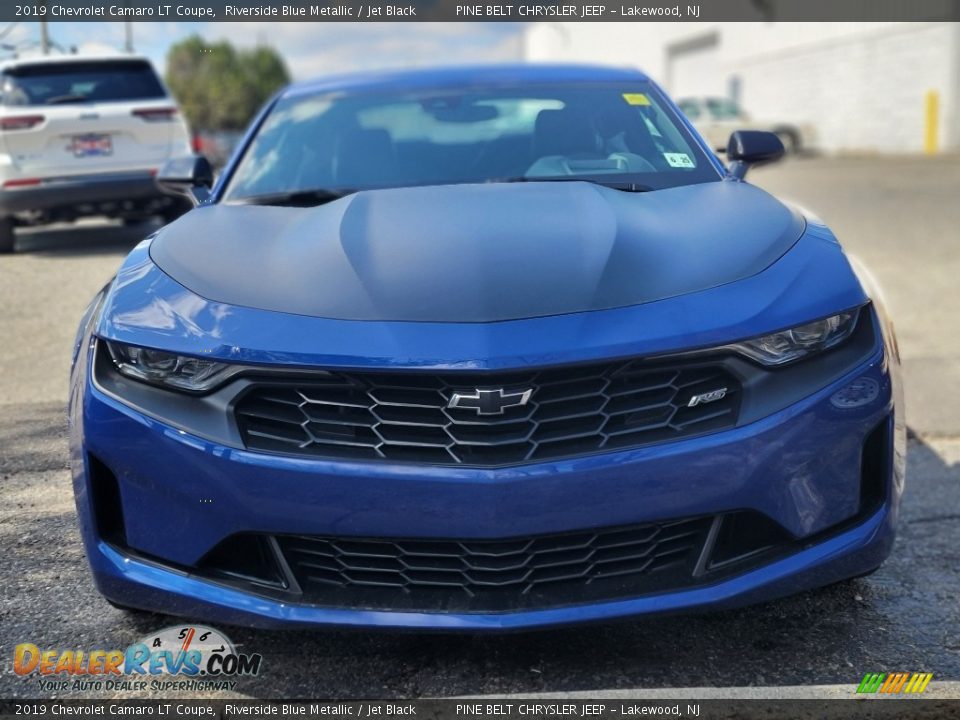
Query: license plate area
x=91, y=145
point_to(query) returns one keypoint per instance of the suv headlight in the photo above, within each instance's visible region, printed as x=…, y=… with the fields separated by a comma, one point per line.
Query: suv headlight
x=786, y=346
x=177, y=372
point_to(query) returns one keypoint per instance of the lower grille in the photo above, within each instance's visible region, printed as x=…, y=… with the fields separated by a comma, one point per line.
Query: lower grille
x=495, y=575
x=537, y=415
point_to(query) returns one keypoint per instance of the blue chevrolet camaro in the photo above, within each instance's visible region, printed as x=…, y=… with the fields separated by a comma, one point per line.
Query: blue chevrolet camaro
x=486, y=348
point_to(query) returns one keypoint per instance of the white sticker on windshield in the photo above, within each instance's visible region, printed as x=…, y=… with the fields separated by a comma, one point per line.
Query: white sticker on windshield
x=680, y=160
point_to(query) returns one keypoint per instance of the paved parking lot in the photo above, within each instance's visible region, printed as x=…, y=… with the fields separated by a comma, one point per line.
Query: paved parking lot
x=901, y=216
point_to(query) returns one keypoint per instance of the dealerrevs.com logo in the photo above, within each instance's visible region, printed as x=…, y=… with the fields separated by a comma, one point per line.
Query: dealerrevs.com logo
x=183, y=657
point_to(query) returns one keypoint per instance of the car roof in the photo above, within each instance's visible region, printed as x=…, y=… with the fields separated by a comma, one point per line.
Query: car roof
x=458, y=76
x=45, y=59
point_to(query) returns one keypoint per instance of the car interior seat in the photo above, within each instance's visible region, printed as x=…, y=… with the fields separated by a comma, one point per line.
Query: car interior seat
x=567, y=142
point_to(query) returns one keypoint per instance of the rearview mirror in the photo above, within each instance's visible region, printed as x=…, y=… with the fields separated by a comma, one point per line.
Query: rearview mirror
x=191, y=176
x=752, y=147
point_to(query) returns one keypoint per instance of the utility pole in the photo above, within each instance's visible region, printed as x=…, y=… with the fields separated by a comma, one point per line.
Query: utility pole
x=128, y=46
x=44, y=34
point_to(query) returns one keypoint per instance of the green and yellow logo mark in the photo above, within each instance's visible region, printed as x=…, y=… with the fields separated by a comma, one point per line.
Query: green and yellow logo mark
x=894, y=683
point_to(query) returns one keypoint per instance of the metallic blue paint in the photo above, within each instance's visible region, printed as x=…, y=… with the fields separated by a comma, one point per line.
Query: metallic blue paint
x=799, y=465
x=147, y=307
x=152, y=587
x=777, y=466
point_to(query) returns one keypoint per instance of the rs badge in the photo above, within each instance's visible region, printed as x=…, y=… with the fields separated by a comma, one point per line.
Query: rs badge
x=707, y=397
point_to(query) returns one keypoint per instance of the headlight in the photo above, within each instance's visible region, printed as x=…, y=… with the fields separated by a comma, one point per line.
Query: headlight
x=178, y=372
x=783, y=347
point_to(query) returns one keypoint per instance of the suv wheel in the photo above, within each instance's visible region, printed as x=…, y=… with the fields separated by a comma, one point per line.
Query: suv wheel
x=7, y=237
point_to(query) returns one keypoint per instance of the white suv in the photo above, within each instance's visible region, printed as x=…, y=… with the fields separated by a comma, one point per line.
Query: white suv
x=82, y=135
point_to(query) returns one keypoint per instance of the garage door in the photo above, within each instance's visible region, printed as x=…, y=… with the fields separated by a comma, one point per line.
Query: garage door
x=693, y=68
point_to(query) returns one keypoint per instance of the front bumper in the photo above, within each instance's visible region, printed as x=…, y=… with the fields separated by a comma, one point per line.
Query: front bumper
x=182, y=495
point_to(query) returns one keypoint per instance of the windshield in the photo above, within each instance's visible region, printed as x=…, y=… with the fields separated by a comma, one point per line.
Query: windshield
x=621, y=135
x=54, y=83
x=721, y=109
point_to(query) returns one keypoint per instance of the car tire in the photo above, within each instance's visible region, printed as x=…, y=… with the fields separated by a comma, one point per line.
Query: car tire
x=7, y=236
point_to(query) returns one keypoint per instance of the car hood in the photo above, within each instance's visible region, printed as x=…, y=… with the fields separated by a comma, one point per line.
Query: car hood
x=477, y=253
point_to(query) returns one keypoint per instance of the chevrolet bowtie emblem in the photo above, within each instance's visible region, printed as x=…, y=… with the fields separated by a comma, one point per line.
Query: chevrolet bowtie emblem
x=489, y=402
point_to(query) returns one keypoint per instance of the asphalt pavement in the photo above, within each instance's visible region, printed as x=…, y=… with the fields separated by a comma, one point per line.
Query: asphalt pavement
x=901, y=216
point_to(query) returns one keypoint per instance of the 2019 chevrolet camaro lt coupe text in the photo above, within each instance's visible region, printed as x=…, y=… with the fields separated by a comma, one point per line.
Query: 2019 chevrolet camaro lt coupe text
x=482, y=348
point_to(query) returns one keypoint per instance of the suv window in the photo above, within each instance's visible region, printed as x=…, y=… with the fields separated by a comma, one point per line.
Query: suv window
x=690, y=108
x=722, y=109
x=53, y=83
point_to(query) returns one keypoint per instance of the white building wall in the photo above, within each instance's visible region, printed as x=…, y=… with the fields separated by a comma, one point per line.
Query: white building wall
x=862, y=85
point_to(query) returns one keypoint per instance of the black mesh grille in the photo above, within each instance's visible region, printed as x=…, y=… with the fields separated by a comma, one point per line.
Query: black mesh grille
x=495, y=575
x=407, y=416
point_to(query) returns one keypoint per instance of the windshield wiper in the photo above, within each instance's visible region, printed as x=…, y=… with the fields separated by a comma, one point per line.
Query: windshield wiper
x=616, y=184
x=626, y=186
x=64, y=99
x=295, y=198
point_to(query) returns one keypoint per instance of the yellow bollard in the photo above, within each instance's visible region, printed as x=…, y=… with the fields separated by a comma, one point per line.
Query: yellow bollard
x=932, y=121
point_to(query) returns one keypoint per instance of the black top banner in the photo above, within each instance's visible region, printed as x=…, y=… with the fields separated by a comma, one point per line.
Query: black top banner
x=481, y=10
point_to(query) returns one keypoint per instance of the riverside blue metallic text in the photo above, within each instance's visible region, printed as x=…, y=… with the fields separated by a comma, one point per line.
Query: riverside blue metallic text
x=482, y=349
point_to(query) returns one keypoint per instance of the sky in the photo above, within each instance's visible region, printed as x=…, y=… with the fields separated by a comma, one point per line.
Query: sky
x=310, y=49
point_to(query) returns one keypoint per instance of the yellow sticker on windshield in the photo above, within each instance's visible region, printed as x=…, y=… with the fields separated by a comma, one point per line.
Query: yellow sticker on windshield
x=636, y=99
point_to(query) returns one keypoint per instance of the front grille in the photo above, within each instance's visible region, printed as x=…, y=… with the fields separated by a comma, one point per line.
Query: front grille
x=405, y=416
x=495, y=575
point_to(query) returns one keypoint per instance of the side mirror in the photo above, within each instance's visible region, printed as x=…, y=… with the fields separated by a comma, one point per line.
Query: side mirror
x=191, y=176
x=752, y=147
